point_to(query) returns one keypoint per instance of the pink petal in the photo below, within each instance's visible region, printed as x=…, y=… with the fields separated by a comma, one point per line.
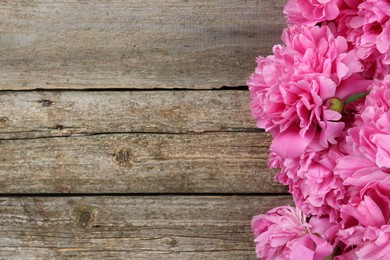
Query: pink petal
x=352, y=85
x=301, y=252
x=383, y=155
x=289, y=144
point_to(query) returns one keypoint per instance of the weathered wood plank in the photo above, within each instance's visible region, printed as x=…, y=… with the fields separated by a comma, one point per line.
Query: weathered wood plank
x=42, y=113
x=134, y=44
x=161, y=227
x=138, y=163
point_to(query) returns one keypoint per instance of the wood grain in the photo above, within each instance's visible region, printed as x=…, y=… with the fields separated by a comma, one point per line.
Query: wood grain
x=160, y=227
x=198, y=44
x=65, y=113
x=138, y=163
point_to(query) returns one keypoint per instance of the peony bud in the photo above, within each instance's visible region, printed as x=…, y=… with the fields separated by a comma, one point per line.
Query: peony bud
x=335, y=104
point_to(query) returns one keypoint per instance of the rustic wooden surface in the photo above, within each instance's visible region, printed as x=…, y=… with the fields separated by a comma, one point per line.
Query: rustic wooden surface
x=129, y=163
x=125, y=128
x=44, y=114
x=158, y=227
x=134, y=44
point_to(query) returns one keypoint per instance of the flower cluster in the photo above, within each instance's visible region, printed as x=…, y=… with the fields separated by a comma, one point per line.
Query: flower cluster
x=324, y=96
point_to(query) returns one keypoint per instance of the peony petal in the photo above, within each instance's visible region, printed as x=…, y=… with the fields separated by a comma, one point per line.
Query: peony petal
x=372, y=213
x=383, y=155
x=327, y=88
x=301, y=252
x=352, y=85
x=289, y=144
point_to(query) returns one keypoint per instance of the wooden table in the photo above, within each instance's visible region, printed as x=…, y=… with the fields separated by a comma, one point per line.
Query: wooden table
x=125, y=128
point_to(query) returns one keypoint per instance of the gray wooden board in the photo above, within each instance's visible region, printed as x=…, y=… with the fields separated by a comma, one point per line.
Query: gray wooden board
x=138, y=163
x=63, y=113
x=158, y=227
x=134, y=44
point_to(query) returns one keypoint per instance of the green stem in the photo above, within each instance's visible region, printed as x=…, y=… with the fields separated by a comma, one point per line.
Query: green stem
x=355, y=97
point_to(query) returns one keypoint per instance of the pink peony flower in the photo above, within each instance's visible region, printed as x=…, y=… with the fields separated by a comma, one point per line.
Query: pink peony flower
x=284, y=233
x=368, y=143
x=372, y=209
x=333, y=151
x=367, y=27
x=366, y=224
x=376, y=66
x=371, y=136
x=316, y=189
x=311, y=12
x=348, y=11
x=310, y=247
x=289, y=90
x=365, y=243
x=379, y=96
x=373, y=24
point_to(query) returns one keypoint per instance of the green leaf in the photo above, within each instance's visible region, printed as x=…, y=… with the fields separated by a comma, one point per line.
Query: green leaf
x=355, y=97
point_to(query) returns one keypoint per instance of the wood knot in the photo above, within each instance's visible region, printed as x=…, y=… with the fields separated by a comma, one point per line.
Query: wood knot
x=84, y=216
x=172, y=242
x=3, y=119
x=46, y=103
x=122, y=156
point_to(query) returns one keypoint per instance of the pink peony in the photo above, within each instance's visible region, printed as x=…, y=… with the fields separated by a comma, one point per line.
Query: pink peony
x=365, y=243
x=312, y=11
x=372, y=209
x=284, y=233
x=289, y=90
x=373, y=24
x=368, y=142
x=367, y=27
x=310, y=247
x=379, y=96
x=371, y=136
x=376, y=66
x=366, y=224
x=333, y=151
x=348, y=11
x=316, y=189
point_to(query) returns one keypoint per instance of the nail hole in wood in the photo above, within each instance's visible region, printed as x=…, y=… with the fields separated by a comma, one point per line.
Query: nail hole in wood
x=58, y=127
x=46, y=103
